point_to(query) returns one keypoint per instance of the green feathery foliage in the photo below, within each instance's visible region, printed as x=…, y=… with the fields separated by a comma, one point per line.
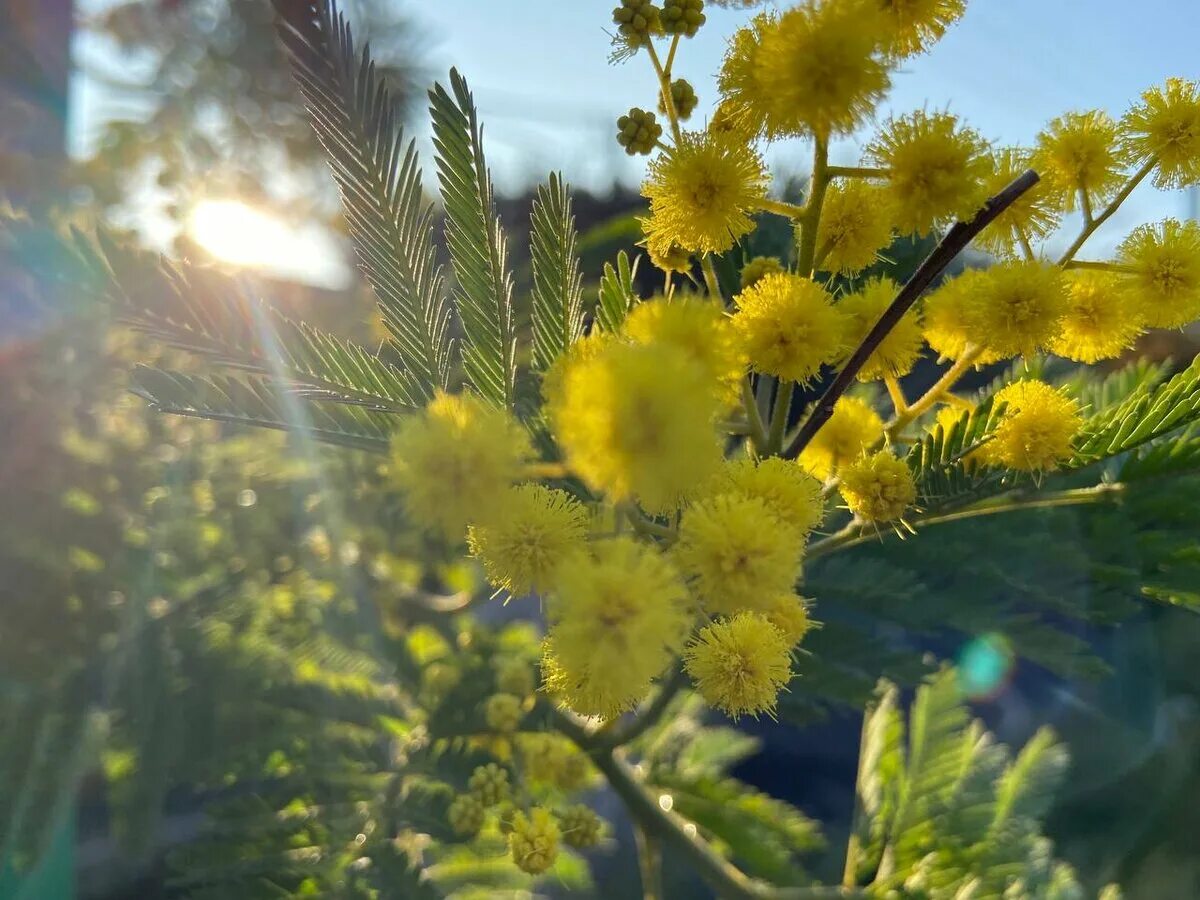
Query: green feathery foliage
x=557, y=282
x=379, y=178
x=617, y=295
x=483, y=283
x=255, y=401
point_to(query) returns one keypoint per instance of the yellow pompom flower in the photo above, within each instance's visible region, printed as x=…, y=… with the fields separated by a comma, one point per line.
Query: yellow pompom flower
x=1030, y=219
x=1015, y=307
x=533, y=841
x=853, y=427
x=702, y=192
x=700, y=329
x=789, y=614
x=740, y=665
x=756, y=268
x=455, y=460
x=1166, y=126
x=1165, y=264
x=527, y=536
x=878, y=487
x=737, y=554
x=899, y=351
x=856, y=223
x=791, y=494
x=946, y=317
x=637, y=421
x=746, y=110
x=818, y=69
x=788, y=326
x=617, y=617
x=1079, y=152
x=914, y=25
x=1037, y=429
x=937, y=168
x=1102, y=318
x=664, y=253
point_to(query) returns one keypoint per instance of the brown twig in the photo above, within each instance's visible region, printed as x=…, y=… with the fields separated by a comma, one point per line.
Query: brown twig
x=955, y=241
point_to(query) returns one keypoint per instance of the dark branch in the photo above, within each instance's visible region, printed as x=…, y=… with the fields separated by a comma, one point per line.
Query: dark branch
x=955, y=241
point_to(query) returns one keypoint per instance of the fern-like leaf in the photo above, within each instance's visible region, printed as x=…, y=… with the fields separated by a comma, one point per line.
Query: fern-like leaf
x=1148, y=413
x=379, y=178
x=254, y=401
x=941, y=463
x=477, y=245
x=208, y=313
x=617, y=295
x=557, y=282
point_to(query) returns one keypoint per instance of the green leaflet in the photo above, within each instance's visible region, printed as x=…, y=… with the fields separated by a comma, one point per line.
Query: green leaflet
x=483, y=288
x=944, y=474
x=617, y=295
x=1149, y=412
x=255, y=401
x=557, y=282
x=379, y=178
x=205, y=312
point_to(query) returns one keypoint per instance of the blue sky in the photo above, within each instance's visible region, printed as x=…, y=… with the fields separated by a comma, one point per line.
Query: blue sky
x=548, y=96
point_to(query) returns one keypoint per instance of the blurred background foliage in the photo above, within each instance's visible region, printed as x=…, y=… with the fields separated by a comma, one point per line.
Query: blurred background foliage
x=222, y=658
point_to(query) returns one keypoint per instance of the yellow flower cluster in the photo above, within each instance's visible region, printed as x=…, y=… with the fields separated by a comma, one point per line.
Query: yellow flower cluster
x=674, y=526
x=788, y=326
x=617, y=617
x=1037, y=429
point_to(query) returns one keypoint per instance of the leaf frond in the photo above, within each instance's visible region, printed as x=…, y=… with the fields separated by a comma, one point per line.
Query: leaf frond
x=379, y=177
x=483, y=283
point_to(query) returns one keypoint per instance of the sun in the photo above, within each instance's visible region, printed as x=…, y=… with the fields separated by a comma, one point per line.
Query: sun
x=237, y=233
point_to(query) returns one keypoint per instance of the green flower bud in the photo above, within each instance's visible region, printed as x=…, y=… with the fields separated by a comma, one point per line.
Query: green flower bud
x=638, y=131
x=682, y=16
x=637, y=20
x=466, y=814
x=580, y=827
x=683, y=97
x=503, y=713
x=489, y=783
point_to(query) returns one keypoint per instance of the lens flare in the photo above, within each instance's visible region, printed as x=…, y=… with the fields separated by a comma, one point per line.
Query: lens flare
x=237, y=233
x=985, y=666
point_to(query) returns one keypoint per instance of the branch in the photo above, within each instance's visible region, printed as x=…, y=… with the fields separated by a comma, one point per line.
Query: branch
x=653, y=711
x=1092, y=223
x=956, y=239
x=853, y=535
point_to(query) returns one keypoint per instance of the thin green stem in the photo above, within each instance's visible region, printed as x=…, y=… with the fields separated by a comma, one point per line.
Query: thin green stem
x=652, y=712
x=779, y=416
x=1085, y=203
x=646, y=526
x=671, y=56
x=1026, y=246
x=1090, y=227
x=896, y=393
x=649, y=851
x=664, y=89
x=855, y=534
x=806, y=248
x=667, y=827
x=781, y=208
x=1096, y=265
x=758, y=432
x=711, y=284
x=940, y=388
x=857, y=172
